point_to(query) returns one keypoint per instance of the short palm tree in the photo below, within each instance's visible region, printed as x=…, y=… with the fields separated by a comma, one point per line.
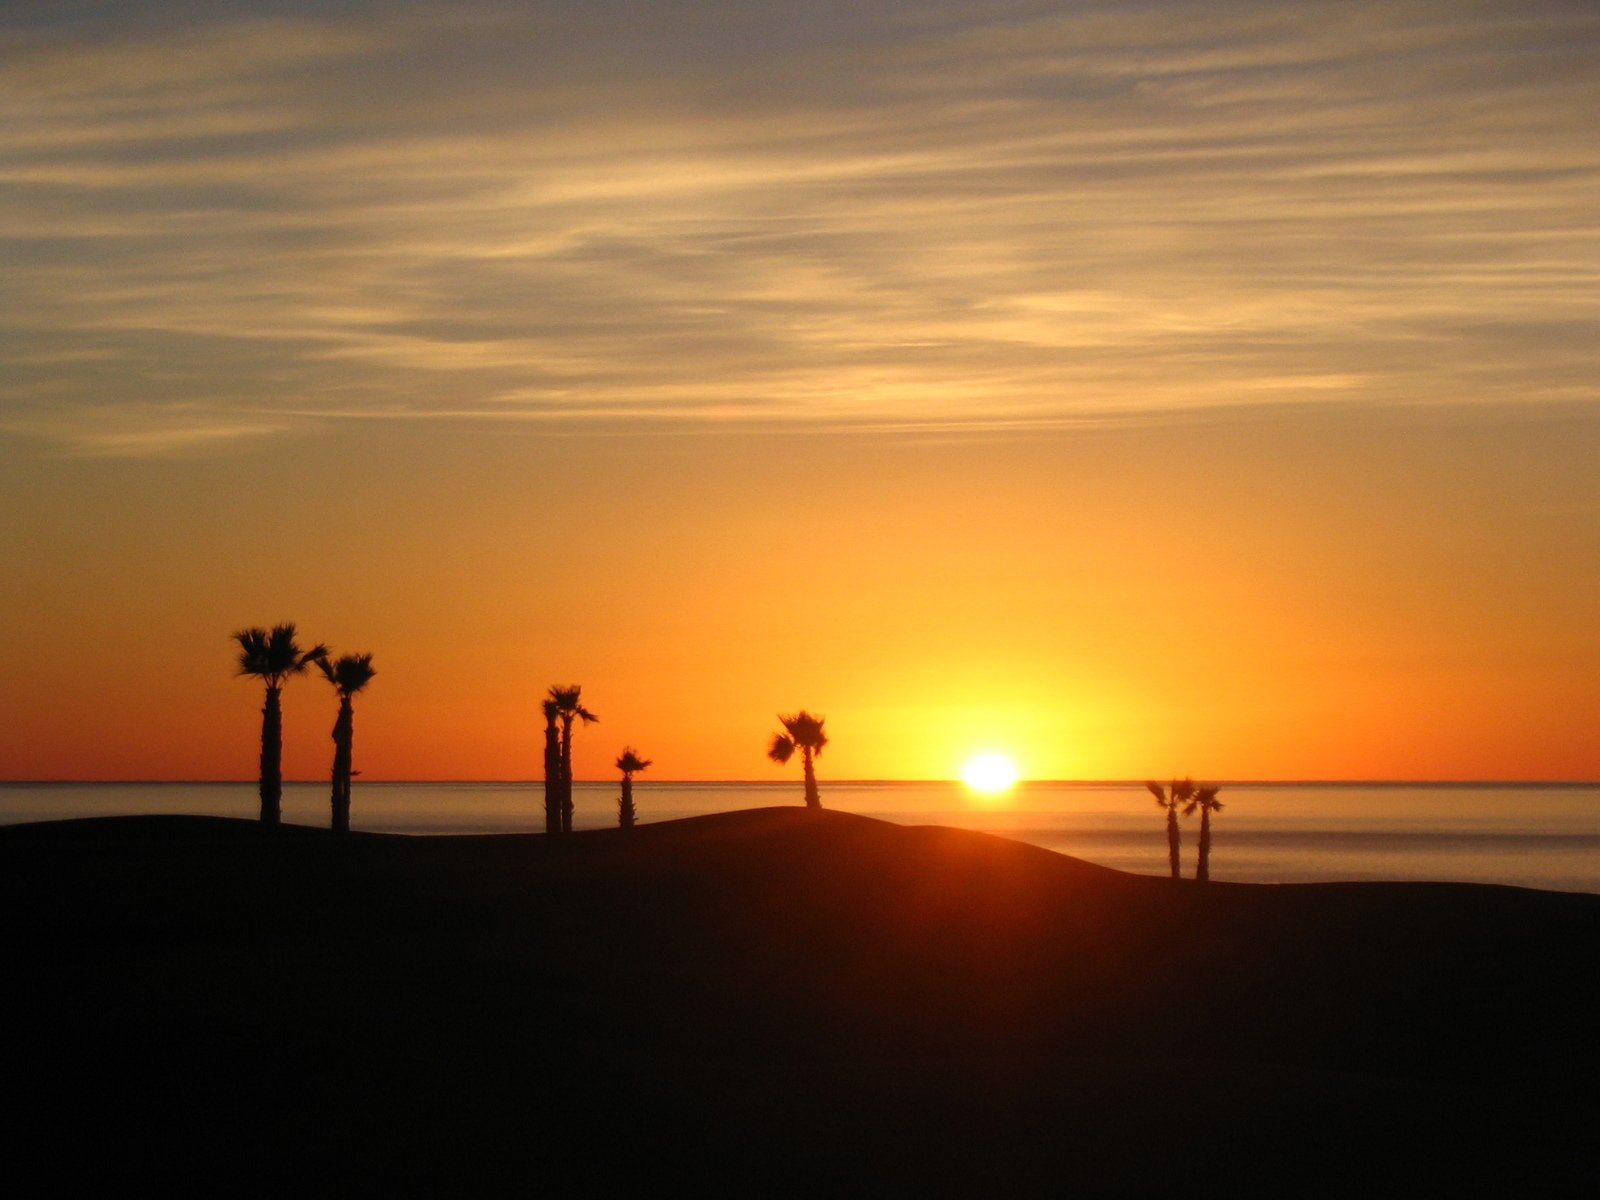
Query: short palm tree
x=273, y=655
x=349, y=674
x=569, y=708
x=1175, y=795
x=1205, y=799
x=552, y=768
x=802, y=732
x=629, y=763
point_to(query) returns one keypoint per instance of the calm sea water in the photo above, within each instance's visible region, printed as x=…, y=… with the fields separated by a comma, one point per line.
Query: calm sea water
x=1544, y=836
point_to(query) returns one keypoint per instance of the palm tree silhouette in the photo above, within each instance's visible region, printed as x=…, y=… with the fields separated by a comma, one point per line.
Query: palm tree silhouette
x=1176, y=794
x=552, y=767
x=568, y=709
x=628, y=762
x=273, y=656
x=1205, y=799
x=802, y=731
x=349, y=674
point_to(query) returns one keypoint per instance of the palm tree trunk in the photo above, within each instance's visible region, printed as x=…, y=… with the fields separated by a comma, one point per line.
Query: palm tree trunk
x=1203, y=870
x=813, y=799
x=566, y=775
x=336, y=775
x=552, y=779
x=343, y=736
x=1173, y=843
x=625, y=805
x=341, y=797
x=271, y=786
x=349, y=767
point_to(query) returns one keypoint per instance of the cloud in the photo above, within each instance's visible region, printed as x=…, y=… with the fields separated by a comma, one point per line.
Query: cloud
x=888, y=216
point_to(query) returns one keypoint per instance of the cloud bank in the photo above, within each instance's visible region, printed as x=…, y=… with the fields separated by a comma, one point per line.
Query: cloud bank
x=674, y=215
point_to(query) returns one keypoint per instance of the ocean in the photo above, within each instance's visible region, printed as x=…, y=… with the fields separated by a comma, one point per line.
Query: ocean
x=1527, y=835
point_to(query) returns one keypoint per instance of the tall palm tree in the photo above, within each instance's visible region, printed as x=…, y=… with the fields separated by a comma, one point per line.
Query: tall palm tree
x=1170, y=799
x=1205, y=799
x=628, y=762
x=349, y=674
x=273, y=655
x=569, y=708
x=802, y=732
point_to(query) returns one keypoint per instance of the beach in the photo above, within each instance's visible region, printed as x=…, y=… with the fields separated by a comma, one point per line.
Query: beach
x=774, y=1001
x=1541, y=835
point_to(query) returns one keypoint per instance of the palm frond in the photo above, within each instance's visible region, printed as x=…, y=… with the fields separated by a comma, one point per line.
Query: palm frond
x=252, y=650
x=272, y=654
x=805, y=730
x=782, y=748
x=566, y=699
x=1155, y=790
x=629, y=761
x=317, y=653
x=350, y=673
x=281, y=644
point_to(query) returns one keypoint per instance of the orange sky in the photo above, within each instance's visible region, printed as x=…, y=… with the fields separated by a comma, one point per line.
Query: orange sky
x=1212, y=394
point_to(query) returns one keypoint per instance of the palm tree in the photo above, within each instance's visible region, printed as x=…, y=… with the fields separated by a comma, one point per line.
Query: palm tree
x=628, y=762
x=349, y=674
x=802, y=731
x=1170, y=799
x=552, y=768
x=273, y=656
x=568, y=709
x=1205, y=799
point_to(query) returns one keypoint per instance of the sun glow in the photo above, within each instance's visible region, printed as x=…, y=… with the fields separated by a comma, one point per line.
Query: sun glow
x=990, y=774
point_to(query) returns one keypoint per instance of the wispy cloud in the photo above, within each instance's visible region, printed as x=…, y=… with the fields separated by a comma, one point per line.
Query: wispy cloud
x=890, y=216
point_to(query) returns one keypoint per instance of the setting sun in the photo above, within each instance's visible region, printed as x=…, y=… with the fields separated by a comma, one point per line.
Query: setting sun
x=989, y=773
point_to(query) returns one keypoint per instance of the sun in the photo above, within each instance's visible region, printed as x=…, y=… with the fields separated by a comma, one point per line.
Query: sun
x=989, y=774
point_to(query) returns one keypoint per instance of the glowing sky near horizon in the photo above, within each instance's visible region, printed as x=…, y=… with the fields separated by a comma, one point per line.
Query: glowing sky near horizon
x=1134, y=388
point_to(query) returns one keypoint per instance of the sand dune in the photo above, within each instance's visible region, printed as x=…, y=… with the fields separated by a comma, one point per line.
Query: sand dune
x=778, y=1000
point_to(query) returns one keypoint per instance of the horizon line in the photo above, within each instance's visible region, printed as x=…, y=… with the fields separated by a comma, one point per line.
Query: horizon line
x=775, y=783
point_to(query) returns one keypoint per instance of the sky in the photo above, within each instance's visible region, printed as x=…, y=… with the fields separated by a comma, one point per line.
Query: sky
x=1133, y=388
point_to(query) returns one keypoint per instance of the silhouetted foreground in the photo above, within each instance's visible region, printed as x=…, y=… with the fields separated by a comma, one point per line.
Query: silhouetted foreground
x=786, y=999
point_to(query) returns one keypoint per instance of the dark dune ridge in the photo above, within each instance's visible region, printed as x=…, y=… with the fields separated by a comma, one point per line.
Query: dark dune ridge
x=778, y=1000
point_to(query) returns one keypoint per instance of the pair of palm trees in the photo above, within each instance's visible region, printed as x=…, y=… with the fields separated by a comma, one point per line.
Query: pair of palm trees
x=1188, y=798
x=563, y=708
x=274, y=656
x=802, y=732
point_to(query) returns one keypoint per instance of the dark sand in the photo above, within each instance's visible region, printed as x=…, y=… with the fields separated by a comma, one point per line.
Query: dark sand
x=774, y=1001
